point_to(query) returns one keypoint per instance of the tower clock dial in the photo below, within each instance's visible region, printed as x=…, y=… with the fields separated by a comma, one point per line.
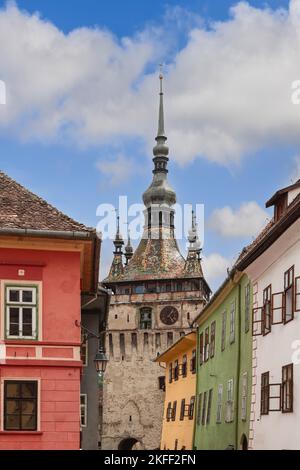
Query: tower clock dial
x=169, y=315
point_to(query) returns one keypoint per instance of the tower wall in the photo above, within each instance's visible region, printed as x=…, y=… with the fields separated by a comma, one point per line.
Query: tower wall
x=133, y=402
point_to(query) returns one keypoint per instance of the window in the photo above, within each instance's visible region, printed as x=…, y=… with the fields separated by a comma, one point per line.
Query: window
x=247, y=307
x=176, y=370
x=174, y=410
x=193, y=362
x=212, y=339
x=162, y=383
x=139, y=289
x=266, y=325
x=184, y=366
x=20, y=405
x=265, y=393
x=223, y=338
x=83, y=410
x=170, y=373
x=182, y=409
x=229, y=402
x=244, y=396
x=134, y=341
x=169, y=339
x=192, y=408
x=145, y=319
x=232, y=323
x=199, y=409
x=203, y=419
x=201, y=346
x=21, y=312
x=219, y=404
x=210, y=395
x=287, y=389
x=84, y=349
x=289, y=295
x=169, y=412
x=157, y=341
x=206, y=345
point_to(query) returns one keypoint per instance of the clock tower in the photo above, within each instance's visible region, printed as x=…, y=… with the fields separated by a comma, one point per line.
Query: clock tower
x=157, y=293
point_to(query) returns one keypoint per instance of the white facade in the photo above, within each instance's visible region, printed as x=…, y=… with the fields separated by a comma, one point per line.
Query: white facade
x=276, y=430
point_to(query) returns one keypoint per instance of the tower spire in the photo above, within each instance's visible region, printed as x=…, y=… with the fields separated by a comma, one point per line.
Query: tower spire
x=161, y=150
x=161, y=119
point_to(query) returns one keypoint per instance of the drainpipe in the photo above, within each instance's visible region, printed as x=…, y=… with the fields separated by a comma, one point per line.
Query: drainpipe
x=238, y=367
x=196, y=397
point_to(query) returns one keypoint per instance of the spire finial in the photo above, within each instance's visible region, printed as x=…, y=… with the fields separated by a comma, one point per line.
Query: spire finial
x=161, y=120
x=161, y=77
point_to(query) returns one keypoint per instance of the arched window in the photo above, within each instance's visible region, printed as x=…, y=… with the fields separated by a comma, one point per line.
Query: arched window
x=145, y=318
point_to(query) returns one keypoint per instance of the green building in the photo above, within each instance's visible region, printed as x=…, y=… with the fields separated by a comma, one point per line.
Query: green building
x=224, y=360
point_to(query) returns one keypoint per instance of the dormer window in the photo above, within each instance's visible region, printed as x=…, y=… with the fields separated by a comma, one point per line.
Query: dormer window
x=280, y=207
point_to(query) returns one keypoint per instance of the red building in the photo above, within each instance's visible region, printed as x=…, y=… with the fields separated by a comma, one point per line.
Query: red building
x=47, y=260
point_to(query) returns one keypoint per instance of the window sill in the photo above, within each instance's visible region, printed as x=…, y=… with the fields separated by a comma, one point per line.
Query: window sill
x=21, y=433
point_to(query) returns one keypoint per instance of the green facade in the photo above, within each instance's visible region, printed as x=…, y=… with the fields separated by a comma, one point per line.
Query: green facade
x=226, y=421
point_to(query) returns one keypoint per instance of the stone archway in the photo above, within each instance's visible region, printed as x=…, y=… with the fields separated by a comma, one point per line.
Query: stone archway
x=129, y=443
x=244, y=442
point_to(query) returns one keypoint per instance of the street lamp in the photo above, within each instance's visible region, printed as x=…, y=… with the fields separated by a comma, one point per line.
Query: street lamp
x=101, y=361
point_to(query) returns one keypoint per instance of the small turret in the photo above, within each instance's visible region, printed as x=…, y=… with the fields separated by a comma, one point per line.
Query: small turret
x=193, y=261
x=128, y=250
x=117, y=267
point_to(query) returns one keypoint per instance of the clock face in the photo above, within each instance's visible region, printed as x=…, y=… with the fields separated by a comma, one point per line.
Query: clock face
x=169, y=315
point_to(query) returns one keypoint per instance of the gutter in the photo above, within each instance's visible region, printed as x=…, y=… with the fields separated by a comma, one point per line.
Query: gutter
x=49, y=233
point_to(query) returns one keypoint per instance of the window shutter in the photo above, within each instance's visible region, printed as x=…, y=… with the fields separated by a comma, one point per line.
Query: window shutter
x=297, y=294
x=212, y=339
x=232, y=322
x=219, y=403
x=244, y=396
x=278, y=307
x=257, y=321
x=201, y=349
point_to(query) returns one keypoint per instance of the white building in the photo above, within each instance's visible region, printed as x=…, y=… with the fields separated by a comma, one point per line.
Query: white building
x=272, y=262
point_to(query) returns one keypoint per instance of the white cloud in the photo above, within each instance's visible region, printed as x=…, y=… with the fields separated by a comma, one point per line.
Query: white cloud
x=118, y=170
x=228, y=91
x=246, y=221
x=295, y=175
x=215, y=268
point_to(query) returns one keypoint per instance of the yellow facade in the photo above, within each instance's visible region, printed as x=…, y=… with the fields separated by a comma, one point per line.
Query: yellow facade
x=179, y=407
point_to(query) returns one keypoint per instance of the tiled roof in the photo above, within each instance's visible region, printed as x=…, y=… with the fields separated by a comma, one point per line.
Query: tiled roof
x=270, y=232
x=157, y=259
x=21, y=209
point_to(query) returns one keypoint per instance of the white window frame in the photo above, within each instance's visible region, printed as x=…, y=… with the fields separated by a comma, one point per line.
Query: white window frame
x=83, y=406
x=219, y=404
x=232, y=322
x=21, y=305
x=244, y=396
x=230, y=402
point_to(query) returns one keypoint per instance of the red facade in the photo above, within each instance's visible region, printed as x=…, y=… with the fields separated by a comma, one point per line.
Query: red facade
x=40, y=352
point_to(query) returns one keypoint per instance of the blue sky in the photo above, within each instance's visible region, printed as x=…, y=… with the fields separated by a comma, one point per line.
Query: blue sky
x=66, y=159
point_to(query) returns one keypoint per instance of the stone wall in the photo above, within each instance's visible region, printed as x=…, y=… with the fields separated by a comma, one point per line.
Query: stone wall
x=132, y=401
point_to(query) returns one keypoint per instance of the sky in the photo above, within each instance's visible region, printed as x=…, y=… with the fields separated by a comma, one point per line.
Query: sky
x=80, y=117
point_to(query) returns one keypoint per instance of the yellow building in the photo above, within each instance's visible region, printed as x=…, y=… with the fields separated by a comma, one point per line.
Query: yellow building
x=179, y=408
